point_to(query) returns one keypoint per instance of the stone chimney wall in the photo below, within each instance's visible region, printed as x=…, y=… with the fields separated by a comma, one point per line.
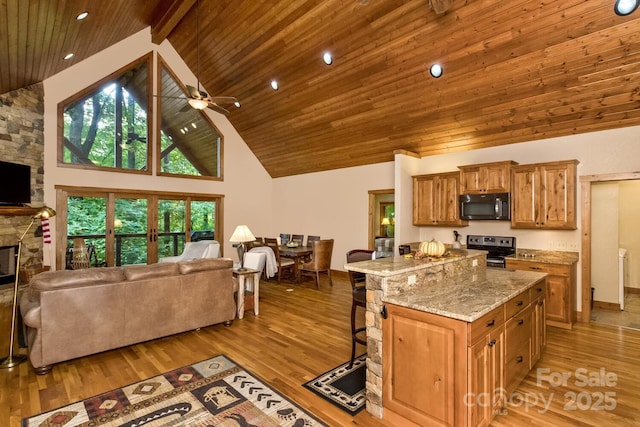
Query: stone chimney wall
x=22, y=141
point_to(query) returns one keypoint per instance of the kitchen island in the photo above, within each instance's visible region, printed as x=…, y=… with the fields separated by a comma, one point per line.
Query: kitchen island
x=448, y=339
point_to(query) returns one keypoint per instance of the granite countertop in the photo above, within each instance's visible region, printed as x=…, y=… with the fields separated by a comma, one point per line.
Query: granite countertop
x=466, y=297
x=392, y=266
x=547, y=257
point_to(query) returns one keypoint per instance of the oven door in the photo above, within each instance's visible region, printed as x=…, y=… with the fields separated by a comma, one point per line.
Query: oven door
x=496, y=262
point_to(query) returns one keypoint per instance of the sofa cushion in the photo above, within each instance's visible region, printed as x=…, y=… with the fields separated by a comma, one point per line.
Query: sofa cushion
x=143, y=271
x=67, y=278
x=203, y=264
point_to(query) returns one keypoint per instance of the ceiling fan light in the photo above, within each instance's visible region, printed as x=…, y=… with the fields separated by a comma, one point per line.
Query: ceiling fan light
x=198, y=104
x=625, y=7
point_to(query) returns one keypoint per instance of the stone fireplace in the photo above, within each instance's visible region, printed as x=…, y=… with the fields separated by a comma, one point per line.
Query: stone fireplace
x=22, y=141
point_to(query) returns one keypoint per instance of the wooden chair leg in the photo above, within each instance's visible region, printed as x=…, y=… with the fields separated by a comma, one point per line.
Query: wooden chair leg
x=329, y=274
x=353, y=335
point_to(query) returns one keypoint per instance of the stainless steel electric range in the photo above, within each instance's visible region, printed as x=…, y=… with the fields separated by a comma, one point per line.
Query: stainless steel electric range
x=498, y=247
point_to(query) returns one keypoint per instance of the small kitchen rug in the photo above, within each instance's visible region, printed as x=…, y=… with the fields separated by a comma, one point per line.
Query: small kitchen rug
x=342, y=386
x=214, y=392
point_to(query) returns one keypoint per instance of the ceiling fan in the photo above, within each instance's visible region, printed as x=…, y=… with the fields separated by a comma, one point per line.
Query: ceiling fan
x=199, y=99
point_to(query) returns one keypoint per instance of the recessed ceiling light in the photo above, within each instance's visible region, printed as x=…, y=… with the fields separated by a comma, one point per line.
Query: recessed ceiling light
x=436, y=70
x=274, y=85
x=625, y=7
x=82, y=16
x=237, y=104
x=327, y=58
x=68, y=56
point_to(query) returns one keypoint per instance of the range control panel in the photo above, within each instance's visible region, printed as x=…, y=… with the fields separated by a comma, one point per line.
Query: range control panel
x=493, y=241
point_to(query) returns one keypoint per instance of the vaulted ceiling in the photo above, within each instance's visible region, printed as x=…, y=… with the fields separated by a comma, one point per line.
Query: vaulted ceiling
x=514, y=71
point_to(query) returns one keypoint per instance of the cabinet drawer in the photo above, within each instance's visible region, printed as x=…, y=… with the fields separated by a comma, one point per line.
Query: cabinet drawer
x=516, y=367
x=486, y=324
x=514, y=305
x=538, y=290
x=518, y=331
x=542, y=267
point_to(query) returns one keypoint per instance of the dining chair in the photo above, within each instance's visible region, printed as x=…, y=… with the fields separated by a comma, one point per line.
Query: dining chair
x=284, y=264
x=359, y=297
x=311, y=239
x=284, y=238
x=320, y=261
x=298, y=238
x=270, y=241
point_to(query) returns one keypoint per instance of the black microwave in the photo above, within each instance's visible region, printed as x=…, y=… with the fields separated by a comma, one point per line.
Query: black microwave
x=495, y=206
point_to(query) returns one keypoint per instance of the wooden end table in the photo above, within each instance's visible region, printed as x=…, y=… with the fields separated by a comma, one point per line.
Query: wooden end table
x=244, y=297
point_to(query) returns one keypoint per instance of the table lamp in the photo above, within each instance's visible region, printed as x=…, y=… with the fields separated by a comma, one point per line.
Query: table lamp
x=12, y=360
x=242, y=235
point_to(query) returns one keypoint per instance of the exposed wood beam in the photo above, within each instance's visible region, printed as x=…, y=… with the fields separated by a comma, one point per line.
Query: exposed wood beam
x=167, y=21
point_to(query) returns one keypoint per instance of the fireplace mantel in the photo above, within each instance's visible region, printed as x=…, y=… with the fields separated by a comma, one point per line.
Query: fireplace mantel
x=18, y=211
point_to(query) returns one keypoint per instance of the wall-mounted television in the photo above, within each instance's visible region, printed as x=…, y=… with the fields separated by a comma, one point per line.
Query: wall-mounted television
x=15, y=184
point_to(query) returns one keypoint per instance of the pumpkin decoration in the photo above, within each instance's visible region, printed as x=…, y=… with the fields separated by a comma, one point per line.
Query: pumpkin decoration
x=432, y=248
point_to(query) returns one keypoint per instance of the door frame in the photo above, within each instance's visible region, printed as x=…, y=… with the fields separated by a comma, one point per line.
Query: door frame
x=585, y=188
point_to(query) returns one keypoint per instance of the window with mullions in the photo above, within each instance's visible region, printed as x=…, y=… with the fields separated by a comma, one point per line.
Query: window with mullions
x=107, y=126
x=190, y=145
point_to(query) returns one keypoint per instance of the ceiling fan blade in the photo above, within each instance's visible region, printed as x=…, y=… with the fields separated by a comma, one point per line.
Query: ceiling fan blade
x=219, y=109
x=194, y=93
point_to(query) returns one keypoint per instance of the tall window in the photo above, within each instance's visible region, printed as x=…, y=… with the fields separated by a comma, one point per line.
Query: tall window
x=190, y=145
x=106, y=126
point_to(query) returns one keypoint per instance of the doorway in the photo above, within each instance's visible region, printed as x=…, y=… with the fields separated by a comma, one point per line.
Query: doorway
x=602, y=311
x=381, y=203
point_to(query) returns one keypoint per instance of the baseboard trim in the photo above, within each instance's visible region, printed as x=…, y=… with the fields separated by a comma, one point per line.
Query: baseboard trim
x=606, y=305
x=635, y=291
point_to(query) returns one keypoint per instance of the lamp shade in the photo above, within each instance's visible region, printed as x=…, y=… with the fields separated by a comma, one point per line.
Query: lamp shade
x=242, y=234
x=45, y=212
x=198, y=104
x=385, y=221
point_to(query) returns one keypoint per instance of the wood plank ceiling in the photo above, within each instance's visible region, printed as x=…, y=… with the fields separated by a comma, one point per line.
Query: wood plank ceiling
x=513, y=71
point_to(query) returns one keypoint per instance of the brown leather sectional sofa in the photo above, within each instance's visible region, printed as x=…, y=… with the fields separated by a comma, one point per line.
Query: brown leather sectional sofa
x=73, y=313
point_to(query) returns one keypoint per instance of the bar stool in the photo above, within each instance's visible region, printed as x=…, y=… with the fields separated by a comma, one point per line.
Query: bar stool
x=359, y=298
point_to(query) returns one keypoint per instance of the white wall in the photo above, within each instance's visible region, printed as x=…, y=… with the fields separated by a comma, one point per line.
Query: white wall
x=332, y=204
x=247, y=187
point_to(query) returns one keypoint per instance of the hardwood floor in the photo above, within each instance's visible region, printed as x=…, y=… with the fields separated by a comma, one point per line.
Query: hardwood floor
x=302, y=333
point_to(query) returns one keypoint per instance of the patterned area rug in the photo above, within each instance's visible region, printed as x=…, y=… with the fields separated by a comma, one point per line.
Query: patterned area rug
x=342, y=386
x=215, y=392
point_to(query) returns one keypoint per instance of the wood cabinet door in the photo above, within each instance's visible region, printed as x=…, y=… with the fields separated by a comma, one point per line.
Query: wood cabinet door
x=448, y=200
x=424, y=200
x=557, y=198
x=424, y=367
x=557, y=299
x=478, y=399
x=497, y=179
x=539, y=332
x=524, y=200
x=471, y=180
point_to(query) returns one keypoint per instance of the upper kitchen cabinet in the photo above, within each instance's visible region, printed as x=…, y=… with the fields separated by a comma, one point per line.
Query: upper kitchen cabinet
x=486, y=178
x=544, y=195
x=435, y=200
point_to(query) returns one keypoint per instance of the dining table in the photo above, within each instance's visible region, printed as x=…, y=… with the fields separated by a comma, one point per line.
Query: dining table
x=298, y=253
